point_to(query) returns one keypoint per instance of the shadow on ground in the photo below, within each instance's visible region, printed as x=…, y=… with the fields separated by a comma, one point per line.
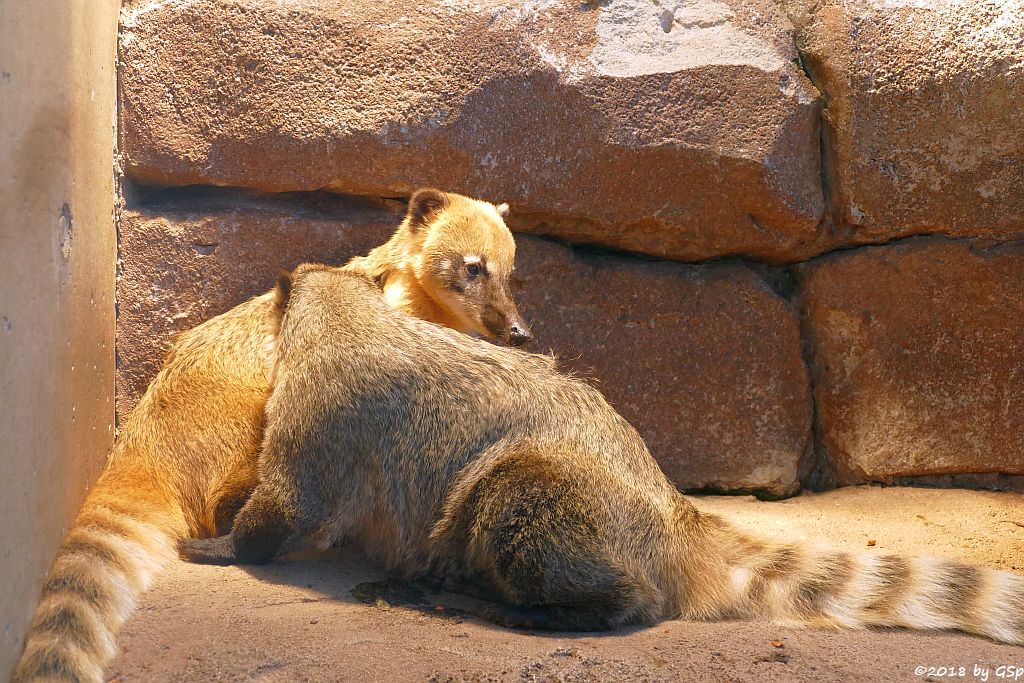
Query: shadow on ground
x=336, y=617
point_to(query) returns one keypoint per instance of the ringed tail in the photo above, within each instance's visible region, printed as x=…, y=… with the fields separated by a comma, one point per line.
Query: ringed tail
x=126, y=532
x=829, y=588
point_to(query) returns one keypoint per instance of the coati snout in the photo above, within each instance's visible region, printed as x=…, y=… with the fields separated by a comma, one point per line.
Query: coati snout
x=479, y=288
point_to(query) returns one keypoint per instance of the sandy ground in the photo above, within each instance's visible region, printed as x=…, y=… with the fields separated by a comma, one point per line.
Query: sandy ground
x=334, y=617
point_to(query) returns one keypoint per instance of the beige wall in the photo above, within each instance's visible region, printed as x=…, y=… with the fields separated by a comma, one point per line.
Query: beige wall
x=57, y=98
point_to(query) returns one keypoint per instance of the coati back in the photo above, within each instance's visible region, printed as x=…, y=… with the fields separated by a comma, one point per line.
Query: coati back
x=185, y=459
x=440, y=454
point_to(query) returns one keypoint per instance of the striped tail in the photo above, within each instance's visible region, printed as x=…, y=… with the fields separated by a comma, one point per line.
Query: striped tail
x=823, y=587
x=126, y=532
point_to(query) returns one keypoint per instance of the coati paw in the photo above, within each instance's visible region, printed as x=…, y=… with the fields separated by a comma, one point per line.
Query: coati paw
x=552, y=618
x=510, y=616
x=218, y=550
x=227, y=508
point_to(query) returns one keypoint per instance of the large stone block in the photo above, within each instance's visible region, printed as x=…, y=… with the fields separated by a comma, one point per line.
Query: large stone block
x=683, y=130
x=923, y=103
x=918, y=358
x=704, y=361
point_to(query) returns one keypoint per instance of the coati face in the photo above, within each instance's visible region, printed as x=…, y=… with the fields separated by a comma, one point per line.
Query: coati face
x=465, y=262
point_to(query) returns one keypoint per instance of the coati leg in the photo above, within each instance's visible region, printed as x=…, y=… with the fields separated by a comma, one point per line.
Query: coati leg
x=230, y=496
x=529, y=529
x=259, y=533
x=548, y=618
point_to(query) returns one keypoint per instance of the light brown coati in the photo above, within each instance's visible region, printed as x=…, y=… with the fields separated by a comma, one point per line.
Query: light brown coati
x=439, y=454
x=185, y=459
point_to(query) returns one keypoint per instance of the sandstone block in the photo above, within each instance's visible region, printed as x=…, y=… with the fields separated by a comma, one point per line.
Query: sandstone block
x=703, y=360
x=683, y=130
x=918, y=358
x=922, y=116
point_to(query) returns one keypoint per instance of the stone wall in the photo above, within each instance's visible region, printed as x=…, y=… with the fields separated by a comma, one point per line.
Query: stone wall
x=832, y=190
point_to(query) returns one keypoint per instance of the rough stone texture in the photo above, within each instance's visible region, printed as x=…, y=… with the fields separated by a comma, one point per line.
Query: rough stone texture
x=703, y=360
x=185, y=260
x=923, y=115
x=917, y=358
x=676, y=129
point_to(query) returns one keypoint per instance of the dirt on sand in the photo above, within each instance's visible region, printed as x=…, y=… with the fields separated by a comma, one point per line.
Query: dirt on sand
x=336, y=617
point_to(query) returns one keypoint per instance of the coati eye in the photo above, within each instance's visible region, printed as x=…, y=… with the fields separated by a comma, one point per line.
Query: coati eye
x=473, y=269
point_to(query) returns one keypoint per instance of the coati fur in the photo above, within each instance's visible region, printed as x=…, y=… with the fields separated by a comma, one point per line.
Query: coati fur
x=441, y=455
x=185, y=460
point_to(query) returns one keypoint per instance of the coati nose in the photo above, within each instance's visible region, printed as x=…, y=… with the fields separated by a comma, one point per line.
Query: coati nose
x=519, y=335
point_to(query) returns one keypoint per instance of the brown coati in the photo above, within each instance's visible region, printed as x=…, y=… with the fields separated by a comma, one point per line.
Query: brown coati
x=439, y=454
x=185, y=459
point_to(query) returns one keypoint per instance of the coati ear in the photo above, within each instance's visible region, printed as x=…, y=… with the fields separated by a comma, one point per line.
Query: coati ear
x=286, y=282
x=424, y=202
x=283, y=291
x=502, y=209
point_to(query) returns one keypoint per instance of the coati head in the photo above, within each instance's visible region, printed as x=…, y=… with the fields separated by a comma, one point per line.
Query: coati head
x=459, y=255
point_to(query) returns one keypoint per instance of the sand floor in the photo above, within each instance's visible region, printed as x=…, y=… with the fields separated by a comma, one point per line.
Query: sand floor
x=335, y=617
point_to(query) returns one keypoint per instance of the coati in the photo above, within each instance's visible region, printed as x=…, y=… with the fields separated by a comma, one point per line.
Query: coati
x=442, y=455
x=185, y=459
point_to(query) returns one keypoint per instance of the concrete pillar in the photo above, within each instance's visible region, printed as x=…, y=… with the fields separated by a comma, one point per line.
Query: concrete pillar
x=57, y=263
